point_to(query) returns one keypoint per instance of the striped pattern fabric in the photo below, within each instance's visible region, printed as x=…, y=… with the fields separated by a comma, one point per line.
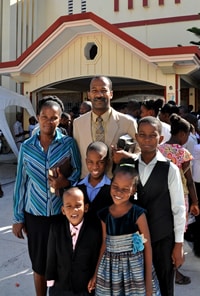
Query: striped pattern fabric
x=121, y=273
x=99, y=130
x=32, y=191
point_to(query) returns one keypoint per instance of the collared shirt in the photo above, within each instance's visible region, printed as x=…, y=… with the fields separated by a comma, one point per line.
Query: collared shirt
x=74, y=230
x=18, y=129
x=93, y=191
x=32, y=191
x=105, y=118
x=175, y=190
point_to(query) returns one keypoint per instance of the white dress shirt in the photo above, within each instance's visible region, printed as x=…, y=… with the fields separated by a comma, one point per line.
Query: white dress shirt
x=175, y=190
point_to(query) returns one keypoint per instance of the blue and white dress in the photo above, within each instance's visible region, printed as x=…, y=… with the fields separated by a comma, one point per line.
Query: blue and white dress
x=121, y=270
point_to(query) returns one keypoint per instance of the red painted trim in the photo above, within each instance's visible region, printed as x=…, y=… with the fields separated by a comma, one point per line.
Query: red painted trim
x=130, y=4
x=110, y=28
x=165, y=93
x=145, y=3
x=22, y=88
x=176, y=88
x=159, y=21
x=177, y=1
x=116, y=5
x=161, y=2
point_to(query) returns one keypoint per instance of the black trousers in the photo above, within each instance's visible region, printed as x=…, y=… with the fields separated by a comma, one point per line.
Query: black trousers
x=55, y=291
x=162, y=260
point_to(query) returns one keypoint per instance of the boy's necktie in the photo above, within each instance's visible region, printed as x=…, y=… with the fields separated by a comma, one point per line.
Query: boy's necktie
x=74, y=236
x=99, y=130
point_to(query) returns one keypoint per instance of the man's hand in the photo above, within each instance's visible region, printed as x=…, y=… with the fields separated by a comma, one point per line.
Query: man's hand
x=178, y=255
x=194, y=209
x=18, y=229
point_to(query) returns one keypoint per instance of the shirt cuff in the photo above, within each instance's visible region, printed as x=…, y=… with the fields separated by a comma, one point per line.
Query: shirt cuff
x=50, y=283
x=179, y=237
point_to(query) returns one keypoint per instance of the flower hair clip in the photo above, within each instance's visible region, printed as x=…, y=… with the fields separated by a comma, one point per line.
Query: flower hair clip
x=127, y=164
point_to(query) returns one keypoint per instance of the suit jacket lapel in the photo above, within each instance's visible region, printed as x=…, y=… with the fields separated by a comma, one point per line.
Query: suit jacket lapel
x=112, y=128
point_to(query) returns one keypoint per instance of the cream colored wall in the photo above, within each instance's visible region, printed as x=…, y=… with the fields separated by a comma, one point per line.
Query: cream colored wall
x=105, y=9
x=112, y=60
x=164, y=35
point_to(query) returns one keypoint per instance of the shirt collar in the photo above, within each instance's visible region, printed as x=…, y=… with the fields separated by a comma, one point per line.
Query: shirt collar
x=58, y=135
x=104, y=181
x=105, y=116
x=77, y=227
x=158, y=157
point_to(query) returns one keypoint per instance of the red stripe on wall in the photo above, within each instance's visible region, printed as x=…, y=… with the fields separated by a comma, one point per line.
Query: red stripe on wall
x=161, y=2
x=176, y=88
x=145, y=2
x=116, y=5
x=159, y=21
x=130, y=4
x=177, y=1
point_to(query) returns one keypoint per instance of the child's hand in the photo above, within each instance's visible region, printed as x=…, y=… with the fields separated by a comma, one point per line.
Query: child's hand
x=118, y=154
x=92, y=284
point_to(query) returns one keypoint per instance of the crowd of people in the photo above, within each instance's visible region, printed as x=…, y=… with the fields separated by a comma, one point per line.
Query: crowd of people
x=99, y=219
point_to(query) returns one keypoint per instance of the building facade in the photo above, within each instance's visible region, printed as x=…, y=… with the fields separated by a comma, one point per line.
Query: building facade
x=56, y=46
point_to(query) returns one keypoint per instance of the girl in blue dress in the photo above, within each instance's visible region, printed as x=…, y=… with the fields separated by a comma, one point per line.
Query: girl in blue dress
x=125, y=262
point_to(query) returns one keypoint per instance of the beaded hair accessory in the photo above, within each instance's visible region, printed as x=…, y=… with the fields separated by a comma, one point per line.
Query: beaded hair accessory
x=127, y=164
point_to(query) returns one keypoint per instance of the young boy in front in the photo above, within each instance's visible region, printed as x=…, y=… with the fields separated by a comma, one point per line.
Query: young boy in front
x=73, y=248
x=160, y=192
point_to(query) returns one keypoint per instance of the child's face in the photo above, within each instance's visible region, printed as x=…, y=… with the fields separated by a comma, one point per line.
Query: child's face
x=122, y=187
x=73, y=207
x=148, y=137
x=96, y=164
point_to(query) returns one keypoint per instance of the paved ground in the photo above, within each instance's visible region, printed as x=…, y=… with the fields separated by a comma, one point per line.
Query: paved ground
x=16, y=277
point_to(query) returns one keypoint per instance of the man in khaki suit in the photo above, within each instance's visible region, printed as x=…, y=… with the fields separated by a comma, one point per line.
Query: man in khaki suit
x=115, y=124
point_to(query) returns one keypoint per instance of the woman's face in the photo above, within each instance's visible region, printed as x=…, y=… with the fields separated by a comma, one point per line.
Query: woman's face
x=49, y=119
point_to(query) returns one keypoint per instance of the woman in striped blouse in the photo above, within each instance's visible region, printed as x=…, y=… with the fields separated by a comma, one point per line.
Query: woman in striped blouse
x=36, y=202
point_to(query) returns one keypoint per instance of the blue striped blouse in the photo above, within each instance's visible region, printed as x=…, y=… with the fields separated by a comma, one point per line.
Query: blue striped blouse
x=32, y=191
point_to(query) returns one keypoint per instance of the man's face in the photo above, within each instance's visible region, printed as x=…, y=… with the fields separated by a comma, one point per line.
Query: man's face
x=100, y=95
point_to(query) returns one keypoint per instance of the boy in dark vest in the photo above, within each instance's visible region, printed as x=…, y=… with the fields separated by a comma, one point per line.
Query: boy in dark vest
x=160, y=192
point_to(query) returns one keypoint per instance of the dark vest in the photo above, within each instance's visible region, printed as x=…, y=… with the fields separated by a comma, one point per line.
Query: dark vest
x=155, y=198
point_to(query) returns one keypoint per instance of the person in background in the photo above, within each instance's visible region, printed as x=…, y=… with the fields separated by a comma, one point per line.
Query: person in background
x=66, y=124
x=32, y=124
x=114, y=124
x=125, y=261
x=85, y=107
x=1, y=191
x=35, y=202
x=152, y=108
x=196, y=178
x=160, y=192
x=133, y=109
x=193, y=138
x=181, y=157
x=74, y=112
x=73, y=248
x=166, y=111
x=18, y=130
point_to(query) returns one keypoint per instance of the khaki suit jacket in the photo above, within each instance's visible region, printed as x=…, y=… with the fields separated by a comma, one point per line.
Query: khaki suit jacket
x=118, y=125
